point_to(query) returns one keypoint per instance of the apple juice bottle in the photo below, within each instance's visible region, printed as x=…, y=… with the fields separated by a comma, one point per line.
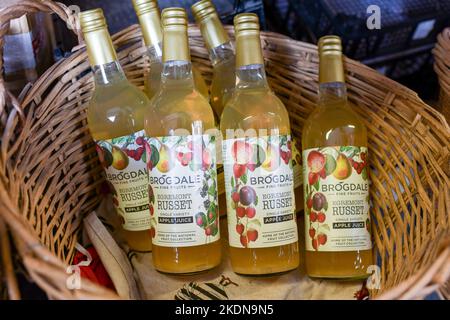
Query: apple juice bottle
x=150, y=22
x=116, y=121
x=221, y=53
x=181, y=160
x=337, y=222
x=257, y=162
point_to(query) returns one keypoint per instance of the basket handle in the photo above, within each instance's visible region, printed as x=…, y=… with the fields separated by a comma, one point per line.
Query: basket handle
x=16, y=11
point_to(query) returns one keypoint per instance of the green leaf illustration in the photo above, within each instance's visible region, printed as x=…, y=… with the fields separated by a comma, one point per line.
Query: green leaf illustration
x=244, y=178
x=317, y=185
x=212, y=189
x=232, y=182
x=330, y=164
x=364, y=174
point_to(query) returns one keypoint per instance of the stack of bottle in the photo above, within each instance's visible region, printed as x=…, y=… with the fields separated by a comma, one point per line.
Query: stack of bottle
x=160, y=150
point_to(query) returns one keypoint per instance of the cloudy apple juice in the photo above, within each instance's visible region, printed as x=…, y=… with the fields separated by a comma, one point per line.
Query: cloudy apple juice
x=181, y=161
x=336, y=189
x=116, y=121
x=257, y=158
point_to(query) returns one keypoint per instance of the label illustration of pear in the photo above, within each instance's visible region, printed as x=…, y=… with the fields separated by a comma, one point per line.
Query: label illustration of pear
x=166, y=159
x=343, y=168
x=120, y=159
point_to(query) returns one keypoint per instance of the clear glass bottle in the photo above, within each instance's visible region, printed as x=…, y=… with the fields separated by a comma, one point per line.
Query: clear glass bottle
x=257, y=160
x=182, y=162
x=150, y=22
x=116, y=121
x=221, y=53
x=334, y=140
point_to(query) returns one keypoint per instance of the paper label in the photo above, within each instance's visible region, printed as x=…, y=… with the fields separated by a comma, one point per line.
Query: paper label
x=259, y=183
x=183, y=190
x=123, y=159
x=336, y=190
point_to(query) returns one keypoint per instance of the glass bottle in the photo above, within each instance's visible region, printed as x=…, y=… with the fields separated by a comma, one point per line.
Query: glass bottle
x=336, y=188
x=257, y=160
x=116, y=121
x=181, y=161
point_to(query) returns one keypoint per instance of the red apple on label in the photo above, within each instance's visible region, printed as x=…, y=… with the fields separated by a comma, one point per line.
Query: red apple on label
x=322, y=238
x=312, y=232
x=252, y=234
x=250, y=212
x=240, y=211
x=240, y=228
x=321, y=217
x=313, y=216
x=235, y=197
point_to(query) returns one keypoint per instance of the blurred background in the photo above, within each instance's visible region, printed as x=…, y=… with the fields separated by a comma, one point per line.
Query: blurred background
x=401, y=49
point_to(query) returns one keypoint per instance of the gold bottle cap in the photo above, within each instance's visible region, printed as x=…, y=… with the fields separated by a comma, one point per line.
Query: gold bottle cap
x=212, y=30
x=150, y=21
x=331, y=68
x=248, y=44
x=175, y=39
x=98, y=41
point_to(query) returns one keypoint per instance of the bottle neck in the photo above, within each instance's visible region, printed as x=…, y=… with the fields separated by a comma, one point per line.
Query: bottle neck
x=100, y=47
x=223, y=52
x=108, y=74
x=177, y=74
x=175, y=44
x=213, y=32
x=332, y=94
x=251, y=77
x=154, y=52
x=248, y=49
x=150, y=23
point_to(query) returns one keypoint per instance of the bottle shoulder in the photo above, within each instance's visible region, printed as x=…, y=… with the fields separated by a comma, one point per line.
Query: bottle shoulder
x=335, y=125
x=254, y=109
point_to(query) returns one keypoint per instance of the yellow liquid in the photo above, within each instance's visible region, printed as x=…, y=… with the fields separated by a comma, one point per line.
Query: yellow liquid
x=177, y=106
x=153, y=81
x=259, y=109
x=199, y=82
x=222, y=86
x=116, y=110
x=336, y=125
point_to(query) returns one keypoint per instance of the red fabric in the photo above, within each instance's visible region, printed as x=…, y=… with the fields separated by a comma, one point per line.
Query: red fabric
x=95, y=272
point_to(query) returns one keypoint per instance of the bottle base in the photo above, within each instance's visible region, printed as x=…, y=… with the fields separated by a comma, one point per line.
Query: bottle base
x=338, y=277
x=265, y=275
x=185, y=273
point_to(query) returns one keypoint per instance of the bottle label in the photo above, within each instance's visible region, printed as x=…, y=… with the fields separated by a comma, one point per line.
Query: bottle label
x=123, y=159
x=183, y=190
x=336, y=199
x=259, y=183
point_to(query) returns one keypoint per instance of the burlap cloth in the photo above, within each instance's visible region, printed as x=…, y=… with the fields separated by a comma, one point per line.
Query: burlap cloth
x=134, y=276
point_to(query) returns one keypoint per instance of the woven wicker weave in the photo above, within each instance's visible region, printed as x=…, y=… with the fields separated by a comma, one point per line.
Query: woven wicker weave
x=49, y=173
x=442, y=68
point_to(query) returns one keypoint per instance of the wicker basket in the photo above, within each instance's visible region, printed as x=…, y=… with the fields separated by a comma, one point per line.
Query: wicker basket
x=49, y=170
x=442, y=68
